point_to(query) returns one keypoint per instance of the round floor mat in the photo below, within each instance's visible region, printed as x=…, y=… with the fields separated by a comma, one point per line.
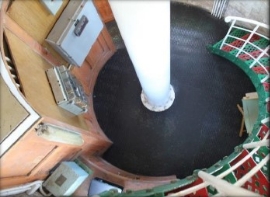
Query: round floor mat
x=203, y=123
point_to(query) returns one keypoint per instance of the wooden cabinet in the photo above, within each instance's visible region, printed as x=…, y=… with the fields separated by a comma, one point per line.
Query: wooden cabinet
x=32, y=157
x=104, y=10
x=99, y=54
x=87, y=74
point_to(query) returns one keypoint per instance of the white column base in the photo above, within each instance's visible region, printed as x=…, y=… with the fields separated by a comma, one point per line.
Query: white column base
x=159, y=108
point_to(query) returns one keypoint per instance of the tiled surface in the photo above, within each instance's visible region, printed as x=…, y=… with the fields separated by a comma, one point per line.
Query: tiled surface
x=202, y=125
x=253, y=9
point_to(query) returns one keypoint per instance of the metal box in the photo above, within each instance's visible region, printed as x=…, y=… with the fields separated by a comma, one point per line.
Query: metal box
x=75, y=31
x=65, y=179
x=67, y=90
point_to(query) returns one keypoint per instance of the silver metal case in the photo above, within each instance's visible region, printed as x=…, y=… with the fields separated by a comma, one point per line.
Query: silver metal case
x=67, y=90
x=75, y=31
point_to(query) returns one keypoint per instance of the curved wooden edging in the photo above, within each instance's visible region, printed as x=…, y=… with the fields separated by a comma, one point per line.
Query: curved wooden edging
x=33, y=115
x=193, y=180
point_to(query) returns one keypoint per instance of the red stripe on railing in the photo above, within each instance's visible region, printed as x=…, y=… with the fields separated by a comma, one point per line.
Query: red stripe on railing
x=254, y=54
x=259, y=70
x=263, y=130
x=258, y=182
x=239, y=43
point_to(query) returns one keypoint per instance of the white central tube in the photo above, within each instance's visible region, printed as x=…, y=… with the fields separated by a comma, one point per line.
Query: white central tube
x=145, y=29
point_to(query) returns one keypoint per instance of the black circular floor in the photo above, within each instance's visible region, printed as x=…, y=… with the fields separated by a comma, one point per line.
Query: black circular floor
x=202, y=125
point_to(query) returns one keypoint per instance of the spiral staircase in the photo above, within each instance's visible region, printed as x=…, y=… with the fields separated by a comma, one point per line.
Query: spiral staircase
x=246, y=170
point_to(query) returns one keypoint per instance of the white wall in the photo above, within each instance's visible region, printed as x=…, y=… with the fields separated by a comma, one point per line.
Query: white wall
x=252, y=9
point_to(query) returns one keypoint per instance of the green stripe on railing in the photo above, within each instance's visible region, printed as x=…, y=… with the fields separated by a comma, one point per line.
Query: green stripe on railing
x=261, y=153
x=261, y=43
x=264, y=61
x=230, y=178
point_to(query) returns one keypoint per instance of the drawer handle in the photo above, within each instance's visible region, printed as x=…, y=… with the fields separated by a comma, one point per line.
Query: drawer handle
x=80, y=25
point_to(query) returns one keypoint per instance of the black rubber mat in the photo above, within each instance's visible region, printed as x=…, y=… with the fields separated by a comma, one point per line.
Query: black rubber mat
x=202, y=125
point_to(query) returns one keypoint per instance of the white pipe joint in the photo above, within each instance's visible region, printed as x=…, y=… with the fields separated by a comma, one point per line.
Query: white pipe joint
x=145, y=29
x=158, y=106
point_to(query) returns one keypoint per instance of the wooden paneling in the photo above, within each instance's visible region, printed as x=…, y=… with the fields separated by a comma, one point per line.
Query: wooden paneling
x=33, y=157
x=108, y=172
x=101, y=50
x=104, y=10
x=11, y=113
x=136, y=185
x=97, y=51
x=31, y=70
x=93, y=142
x=99, y=54
x=50, y=56
x=36, y=21
x=22, y=158
x=34, y=18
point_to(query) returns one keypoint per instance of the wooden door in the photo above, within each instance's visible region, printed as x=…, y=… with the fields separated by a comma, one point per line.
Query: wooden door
x=104, y=10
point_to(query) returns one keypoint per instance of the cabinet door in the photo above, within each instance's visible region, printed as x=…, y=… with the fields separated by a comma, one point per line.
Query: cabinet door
x=32, y=158
x=23, y=157
x=104, y=10
x=99, y=54
x=101, y=50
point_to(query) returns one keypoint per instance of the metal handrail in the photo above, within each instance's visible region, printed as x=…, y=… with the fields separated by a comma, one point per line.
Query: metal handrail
x=254, y=145
x=236, y=18
x=264, y=52
x=222, y=175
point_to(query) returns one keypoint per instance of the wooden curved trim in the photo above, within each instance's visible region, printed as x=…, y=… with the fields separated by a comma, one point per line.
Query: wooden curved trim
x=108, y=172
